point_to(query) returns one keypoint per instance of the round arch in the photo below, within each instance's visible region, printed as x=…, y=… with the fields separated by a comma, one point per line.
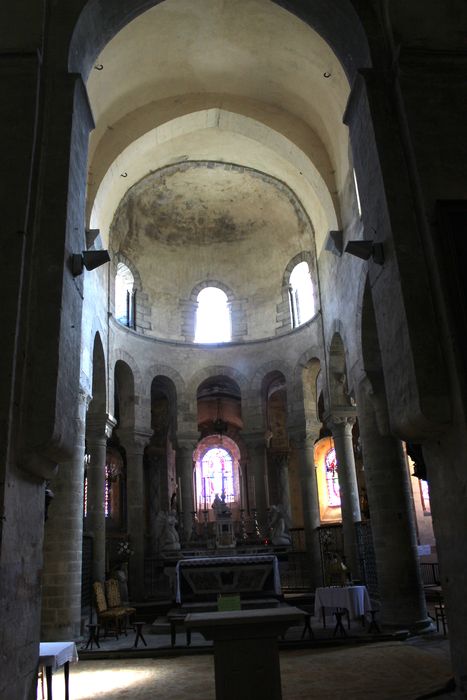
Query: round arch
x=336, y=21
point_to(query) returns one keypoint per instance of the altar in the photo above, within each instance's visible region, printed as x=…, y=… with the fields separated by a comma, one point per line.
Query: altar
x=204, y=578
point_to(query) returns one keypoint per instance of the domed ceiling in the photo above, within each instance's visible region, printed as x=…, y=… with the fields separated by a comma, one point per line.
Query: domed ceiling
x=244, y=82
x=205, y=222
x=206, y=203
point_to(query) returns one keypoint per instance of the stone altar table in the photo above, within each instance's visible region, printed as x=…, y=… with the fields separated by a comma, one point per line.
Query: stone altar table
x=205, y=577
x=246, y=653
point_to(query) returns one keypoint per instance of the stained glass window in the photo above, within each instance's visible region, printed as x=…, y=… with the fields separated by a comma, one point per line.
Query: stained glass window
x=217, y=475
x=332, y=481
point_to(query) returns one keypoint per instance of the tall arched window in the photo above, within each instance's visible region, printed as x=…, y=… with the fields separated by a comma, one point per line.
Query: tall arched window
x=125, y=298
x=217, y=476
x=213, y=323
x=332, y=481
x=302, y=305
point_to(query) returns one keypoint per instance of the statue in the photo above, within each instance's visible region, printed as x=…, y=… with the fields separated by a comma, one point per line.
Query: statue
x=167, y=536
x=278, y=526
x=220, y=507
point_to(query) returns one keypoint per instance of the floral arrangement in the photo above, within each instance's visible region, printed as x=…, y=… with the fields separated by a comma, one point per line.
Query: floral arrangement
x=124, y=550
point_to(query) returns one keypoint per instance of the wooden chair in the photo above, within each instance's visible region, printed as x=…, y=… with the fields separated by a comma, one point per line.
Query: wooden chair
x=109, y=618
x=114, y=600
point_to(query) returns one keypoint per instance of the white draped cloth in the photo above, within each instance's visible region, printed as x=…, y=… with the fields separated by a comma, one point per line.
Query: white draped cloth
x=56, y=654
x=355, y=599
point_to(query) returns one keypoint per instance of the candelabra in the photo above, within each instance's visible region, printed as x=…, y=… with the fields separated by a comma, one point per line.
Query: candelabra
x=194, y=526
x=243, y=532
x=181, y=529
x=256, y=529
x=205, y=524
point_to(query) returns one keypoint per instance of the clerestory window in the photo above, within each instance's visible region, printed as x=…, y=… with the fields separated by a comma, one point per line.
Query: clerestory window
x=302, y=305
x=125, y=297
x=213, y=324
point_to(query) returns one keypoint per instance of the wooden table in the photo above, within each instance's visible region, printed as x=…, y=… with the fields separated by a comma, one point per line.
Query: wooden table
x=53, y=655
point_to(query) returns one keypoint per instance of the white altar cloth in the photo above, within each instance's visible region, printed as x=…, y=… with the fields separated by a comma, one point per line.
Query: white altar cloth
x=355, y=599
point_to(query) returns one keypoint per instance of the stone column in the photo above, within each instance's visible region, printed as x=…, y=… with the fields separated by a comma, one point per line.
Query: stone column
x=392, y=524
x=184, y=463
x=341, y=427
x=281, y=461
x=98, y=429
x=256, y=470
x=134, y=444
x=310, y=505
x=63, y=543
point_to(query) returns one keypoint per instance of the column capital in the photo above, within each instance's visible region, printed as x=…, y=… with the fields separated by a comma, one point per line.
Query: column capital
x=280, y=458
x=135, y=440
x=187, y=441
x=341, y=422
x=100, y=425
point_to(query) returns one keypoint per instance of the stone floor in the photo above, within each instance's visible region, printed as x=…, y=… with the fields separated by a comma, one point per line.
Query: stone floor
x=415, y=667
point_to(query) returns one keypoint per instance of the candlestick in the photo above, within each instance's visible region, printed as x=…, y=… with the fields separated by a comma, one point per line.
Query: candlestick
x=180, y=502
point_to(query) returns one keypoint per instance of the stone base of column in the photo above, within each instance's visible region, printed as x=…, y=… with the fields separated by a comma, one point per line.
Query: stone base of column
x=417, y=627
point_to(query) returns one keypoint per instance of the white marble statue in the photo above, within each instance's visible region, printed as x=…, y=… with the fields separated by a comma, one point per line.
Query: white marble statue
x=167, y=536
x=278, y=526
x=220, y=507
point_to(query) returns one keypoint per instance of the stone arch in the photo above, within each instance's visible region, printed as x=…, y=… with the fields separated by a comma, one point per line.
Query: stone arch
x=124, y=396
x=336, y=21
x=275, y=382
x=283, y=314
x=98, y=403
x=215, y=371
x=122, y=355
x=338, y=382
x=142, y=307
x=164, y=385
x=157, y=370
x=372, y=381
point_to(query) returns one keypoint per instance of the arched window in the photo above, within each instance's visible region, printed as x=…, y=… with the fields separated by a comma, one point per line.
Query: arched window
x=332, y=481
x=125, y=297
x=217, y=476
x=302, y=305
x=213, y=317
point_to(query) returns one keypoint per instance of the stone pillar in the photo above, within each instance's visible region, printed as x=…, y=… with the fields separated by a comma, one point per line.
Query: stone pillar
x=134, y=444
x=341, y=427
x=281, y=461
x=392, y=524
x=447, y=478
x=256, y=471
x=63, y=543
x=184, y=462
x=310, y=504
x=98, y=429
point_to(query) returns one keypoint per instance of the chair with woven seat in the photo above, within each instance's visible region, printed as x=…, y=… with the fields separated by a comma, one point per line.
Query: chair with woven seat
x=109, y=618
x=114, y=599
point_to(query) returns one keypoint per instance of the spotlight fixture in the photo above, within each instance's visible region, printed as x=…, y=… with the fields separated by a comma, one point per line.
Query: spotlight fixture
x=89, y=259
x=366, y=250
x=334, y=242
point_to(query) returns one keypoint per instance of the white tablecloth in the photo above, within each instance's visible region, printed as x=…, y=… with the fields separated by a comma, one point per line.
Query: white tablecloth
x=56, y=654
x=354, y=598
